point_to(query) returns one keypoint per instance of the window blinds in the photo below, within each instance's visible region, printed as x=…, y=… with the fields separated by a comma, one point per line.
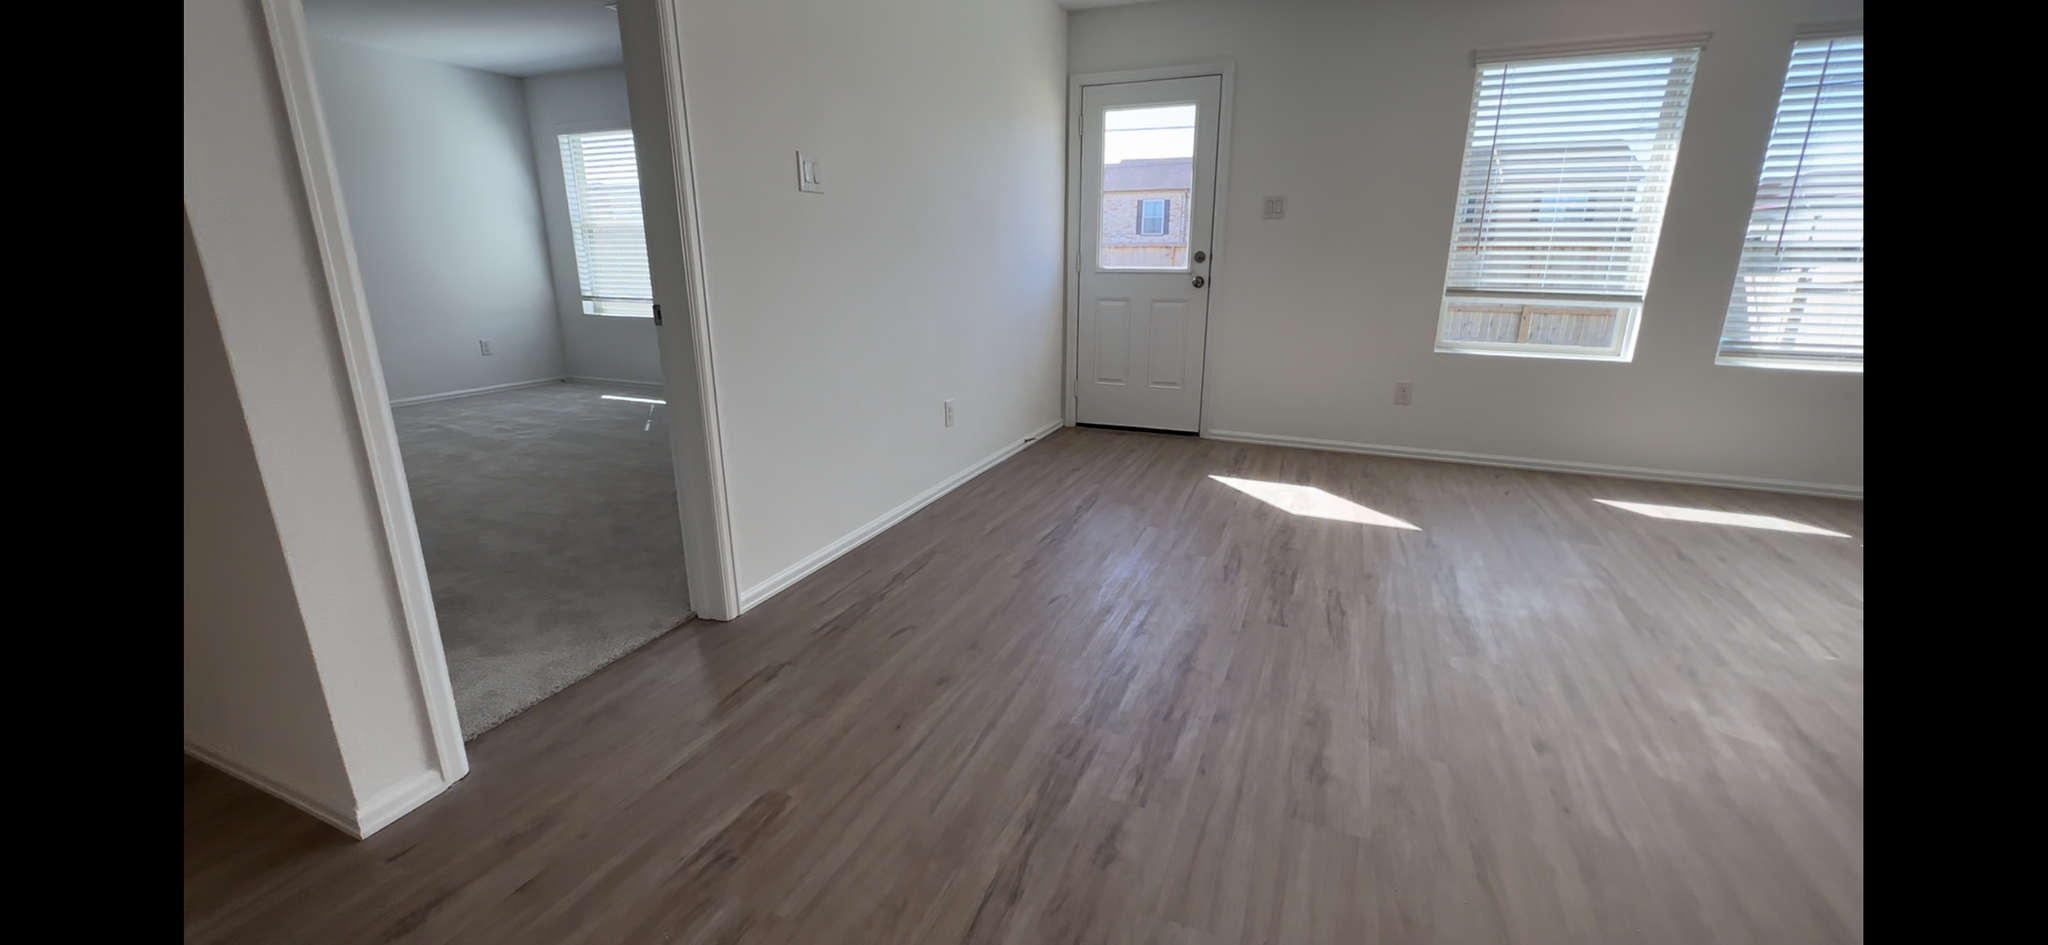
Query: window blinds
x=1567, y=165
x=604, y=214
x=1798, y=296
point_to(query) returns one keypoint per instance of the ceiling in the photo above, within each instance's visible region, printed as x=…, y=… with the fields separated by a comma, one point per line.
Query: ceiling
x=510, y=37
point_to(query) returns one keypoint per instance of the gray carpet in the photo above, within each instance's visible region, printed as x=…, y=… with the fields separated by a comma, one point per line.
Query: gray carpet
x=548, y=518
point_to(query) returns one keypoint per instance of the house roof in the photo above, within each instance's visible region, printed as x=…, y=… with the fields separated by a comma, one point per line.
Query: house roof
x=1150, y=174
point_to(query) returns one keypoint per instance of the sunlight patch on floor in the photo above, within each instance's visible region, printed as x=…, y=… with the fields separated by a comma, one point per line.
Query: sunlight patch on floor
x=1680, y=513
x=1312, y=502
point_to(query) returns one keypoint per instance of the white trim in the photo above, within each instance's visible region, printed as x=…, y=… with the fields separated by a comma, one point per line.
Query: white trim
x=1219, y=251
x=242, y=769
x=397, y=801
x=830, y=553
x=584, y=126
x=473, y=391
x=1219, y=202
x=717, y=598
x=1070, y=296
x=291, y=47
x=1791, y=364
x=378, y=813
x=579, y=378
x=1591, y=47
x=1118, y=77
x=1557, y=353
x=1835, y=30
x=1831, y=490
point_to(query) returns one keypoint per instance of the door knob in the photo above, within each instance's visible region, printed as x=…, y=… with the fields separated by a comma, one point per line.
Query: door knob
x=1200, y=282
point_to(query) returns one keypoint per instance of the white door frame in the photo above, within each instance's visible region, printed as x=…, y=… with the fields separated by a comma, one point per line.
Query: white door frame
x=675, y=257
x=706, y=538
x=290, y=44
x=1220, y=259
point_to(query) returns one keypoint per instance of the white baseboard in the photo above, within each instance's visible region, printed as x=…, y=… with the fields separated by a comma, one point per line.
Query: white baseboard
x=471, y=392
x=232, y=763
x=651, y=385
x=390, y=804
x=824, y=556
x=1831, y=490
x=399, y=800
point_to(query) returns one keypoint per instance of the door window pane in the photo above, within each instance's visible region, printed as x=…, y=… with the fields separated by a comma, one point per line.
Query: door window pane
x=1148, y=173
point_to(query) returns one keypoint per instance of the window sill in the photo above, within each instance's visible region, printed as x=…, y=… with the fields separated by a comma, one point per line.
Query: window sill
x=1608, y=356
x=1818, y=367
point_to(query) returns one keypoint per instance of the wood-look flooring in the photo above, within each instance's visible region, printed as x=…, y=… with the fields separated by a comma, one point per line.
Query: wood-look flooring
x=1097, y=696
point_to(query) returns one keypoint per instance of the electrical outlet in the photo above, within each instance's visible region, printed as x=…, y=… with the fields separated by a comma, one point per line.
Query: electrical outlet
x=1404, y=393
x=949, y=413
x=1276, y=208
x=485, y=344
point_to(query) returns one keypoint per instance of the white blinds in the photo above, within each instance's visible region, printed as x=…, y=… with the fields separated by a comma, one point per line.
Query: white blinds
x=604, y=214
x=1567, y=166
x=1798, y=298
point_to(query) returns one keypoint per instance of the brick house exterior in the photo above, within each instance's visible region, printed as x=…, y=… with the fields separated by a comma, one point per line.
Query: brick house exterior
x=1126, y=185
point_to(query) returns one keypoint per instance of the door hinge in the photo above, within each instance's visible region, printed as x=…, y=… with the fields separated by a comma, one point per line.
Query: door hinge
x=657, y=314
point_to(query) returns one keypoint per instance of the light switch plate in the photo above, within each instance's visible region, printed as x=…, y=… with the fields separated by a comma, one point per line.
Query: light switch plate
x=1276, y=208
x=809, y=177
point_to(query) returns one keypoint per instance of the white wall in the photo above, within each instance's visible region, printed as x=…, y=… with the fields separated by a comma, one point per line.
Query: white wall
x=252, y=693
x=247, y=207
x=1356, y=112
x=592, y=345
x=929, y=268
x=445, y=206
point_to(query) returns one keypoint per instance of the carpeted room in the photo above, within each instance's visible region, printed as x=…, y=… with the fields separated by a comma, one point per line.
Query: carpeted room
x=492, y=199
x=548, y=519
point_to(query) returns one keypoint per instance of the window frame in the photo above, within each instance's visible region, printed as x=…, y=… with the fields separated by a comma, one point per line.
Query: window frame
x=1562, y=208
x=1746, y=271
x=591, y=303
x=1165, y=216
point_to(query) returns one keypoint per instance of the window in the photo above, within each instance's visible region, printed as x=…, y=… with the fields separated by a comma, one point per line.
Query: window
x=1567, y=164
x=1148, y=159
x=1798, y=297
x=1152, y=217
x=604, y=215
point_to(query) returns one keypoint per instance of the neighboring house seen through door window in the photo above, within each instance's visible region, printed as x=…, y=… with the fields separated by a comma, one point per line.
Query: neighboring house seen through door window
x=604, y=215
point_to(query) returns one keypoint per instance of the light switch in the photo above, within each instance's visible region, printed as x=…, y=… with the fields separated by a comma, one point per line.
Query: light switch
x=1276, y=208
x=809, y=177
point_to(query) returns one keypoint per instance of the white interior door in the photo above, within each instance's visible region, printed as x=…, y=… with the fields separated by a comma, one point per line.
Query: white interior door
x=1148, y=196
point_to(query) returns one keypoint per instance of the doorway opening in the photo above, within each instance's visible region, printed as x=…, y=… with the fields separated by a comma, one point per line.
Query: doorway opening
x=492, y=193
